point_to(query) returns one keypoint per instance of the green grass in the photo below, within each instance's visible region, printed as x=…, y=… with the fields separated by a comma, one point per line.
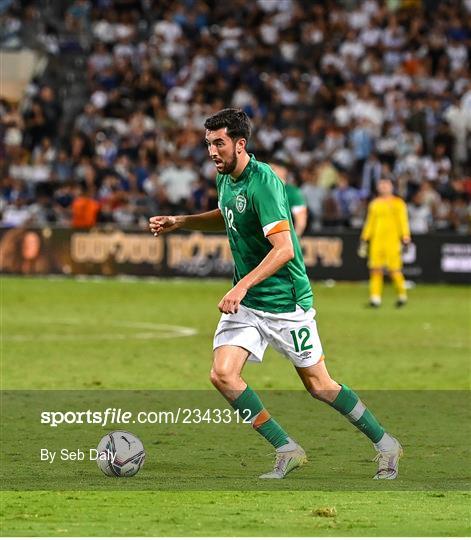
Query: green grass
x=101, y=335
x=425, y=346
x=236, y=514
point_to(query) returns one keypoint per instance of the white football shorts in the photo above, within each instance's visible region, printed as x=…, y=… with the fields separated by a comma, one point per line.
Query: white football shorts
x=293, y=334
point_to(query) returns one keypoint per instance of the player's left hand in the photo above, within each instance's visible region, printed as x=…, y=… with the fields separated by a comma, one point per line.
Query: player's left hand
x=231, y=301
x=362, y=249
x=405, y=246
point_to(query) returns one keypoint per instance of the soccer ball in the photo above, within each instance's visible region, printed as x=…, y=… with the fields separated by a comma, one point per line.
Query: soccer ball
x=120, y=453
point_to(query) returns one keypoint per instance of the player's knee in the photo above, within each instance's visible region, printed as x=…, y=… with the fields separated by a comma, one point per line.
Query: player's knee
x=314, y=388
x=214, y=377
x=221, y=377
x=322, y=389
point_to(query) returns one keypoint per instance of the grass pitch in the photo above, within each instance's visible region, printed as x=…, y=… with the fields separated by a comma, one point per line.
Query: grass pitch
x=114, y=335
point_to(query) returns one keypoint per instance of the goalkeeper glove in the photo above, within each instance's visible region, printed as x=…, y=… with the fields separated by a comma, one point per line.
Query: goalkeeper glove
x=405, y=248
x=363, y=249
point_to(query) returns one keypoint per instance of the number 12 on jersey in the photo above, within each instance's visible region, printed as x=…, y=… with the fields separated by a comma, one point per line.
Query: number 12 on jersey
x=300, y=338
x=230, y=218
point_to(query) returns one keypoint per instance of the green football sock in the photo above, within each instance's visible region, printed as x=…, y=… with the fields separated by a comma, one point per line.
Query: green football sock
x=351, y=406
x=260, y=418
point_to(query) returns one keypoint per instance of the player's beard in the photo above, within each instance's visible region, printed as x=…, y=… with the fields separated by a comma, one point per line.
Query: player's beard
x=229, y=166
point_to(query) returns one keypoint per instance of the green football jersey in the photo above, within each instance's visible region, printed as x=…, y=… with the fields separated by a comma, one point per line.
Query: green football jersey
x=252, y=205
x=295, y=196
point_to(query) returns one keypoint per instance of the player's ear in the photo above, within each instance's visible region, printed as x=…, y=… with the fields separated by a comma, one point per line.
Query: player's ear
x=240, y=145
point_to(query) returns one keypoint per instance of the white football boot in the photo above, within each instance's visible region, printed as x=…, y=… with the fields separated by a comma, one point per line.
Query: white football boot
x=285, y=463
x=388, y=463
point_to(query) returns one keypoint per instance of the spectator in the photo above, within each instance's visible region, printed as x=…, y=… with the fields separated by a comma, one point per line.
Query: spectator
x=16, y=214
x=327, y=175
x=371, y=173
x=461, y=215
x=420, y=216
x=85, y=209
x=62, y=168
x=343, y=88
x=314, y=195
x=347, y=199
x=178, y=178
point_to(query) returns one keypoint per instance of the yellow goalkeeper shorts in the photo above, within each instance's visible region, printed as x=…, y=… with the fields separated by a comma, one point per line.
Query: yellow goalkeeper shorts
x=385, y=257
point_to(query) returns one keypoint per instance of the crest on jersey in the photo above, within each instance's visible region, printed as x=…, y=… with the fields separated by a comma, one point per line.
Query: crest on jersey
x=241, y=203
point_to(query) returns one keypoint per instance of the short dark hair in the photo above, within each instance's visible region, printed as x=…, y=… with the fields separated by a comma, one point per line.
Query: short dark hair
x=235, y=120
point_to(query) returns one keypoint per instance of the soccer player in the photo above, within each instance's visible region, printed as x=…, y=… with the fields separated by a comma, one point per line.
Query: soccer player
x=271, y=298
x=296, y=202
x=386, y=227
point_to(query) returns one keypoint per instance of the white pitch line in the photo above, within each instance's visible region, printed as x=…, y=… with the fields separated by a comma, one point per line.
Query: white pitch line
x=98, y=337
x=152, y=331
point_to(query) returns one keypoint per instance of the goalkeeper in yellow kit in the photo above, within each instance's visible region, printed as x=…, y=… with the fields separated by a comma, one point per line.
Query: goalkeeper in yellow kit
x=384, y=233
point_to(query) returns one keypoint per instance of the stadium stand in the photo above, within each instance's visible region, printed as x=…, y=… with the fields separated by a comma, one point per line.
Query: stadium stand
x=344, y=92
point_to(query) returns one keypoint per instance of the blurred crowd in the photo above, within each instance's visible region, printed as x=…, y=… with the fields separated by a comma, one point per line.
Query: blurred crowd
x=343, y=92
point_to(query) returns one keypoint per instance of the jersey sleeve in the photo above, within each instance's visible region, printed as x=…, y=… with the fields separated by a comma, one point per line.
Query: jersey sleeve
x=295, y=198
x=404, y=221
x=271, y=204
x=368, y=227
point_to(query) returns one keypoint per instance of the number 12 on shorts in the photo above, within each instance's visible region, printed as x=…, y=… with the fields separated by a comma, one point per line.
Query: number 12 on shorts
x=300, y=338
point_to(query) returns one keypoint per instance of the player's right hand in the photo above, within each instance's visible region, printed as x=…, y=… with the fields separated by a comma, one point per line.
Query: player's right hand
x=162, y=224
x=363, y=249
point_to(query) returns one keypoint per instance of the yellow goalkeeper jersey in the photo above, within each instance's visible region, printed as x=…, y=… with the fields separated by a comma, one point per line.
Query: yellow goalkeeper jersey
x=386, y=221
